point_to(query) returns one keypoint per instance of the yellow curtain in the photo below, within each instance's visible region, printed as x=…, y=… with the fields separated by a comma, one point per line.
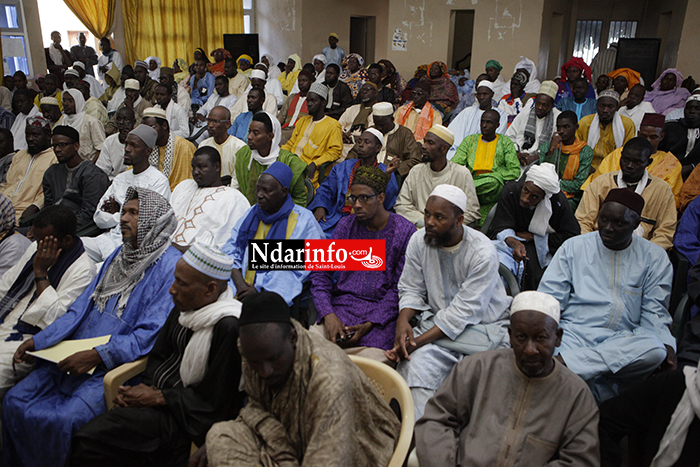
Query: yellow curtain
x=170, y=29
x=96, y=15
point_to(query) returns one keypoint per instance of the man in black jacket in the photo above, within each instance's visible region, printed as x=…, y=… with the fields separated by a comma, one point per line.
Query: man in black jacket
x=73, y=182
x=191, y=379
x=339, y=94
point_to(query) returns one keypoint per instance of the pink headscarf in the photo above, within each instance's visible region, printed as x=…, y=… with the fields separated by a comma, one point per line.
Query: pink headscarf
x=666, y=101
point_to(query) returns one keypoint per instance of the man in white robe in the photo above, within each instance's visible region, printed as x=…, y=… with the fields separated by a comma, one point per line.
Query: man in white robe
x=111, y=159
x=527, y=133
x=450, y=282
x=204, y=204
x=174, y=114
x=25, y=104
x=227, y=145
x=614, y=288
x=435, y=170
x=56, y=269
x=139, y=145
x=468, y=122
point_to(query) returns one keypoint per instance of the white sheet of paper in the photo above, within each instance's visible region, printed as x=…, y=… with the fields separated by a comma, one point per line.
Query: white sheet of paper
x=65, y=349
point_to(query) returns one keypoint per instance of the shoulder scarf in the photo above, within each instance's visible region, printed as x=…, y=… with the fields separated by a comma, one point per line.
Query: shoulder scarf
x=531, y=129
x=156, y=225
x=425, y=118
x=256, y=215
x=274, y=147
x=202, y=322
x=154, y=158
x=617, y=127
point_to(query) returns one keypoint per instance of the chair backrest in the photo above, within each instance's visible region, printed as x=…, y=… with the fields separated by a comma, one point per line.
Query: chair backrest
x=681, y=315
x=392, y=387
x=513, y=288
x=489, y=219
x=309, y=190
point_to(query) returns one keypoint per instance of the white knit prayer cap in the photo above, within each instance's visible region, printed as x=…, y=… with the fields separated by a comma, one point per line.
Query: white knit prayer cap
x=209, y=260
x=452, y=194
x=536, y=301
x=382, y=109
x=132, y=84
x=377, y=134
x=259, y=74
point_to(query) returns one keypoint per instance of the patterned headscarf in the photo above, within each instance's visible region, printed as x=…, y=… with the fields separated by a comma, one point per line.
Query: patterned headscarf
x=224, y=52
x=417, y=73
x=156, y=224
x=519, y=78
x=7, y=217
x=358, y=57
x=443, y=69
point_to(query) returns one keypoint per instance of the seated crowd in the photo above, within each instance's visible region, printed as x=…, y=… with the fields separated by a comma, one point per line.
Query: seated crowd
x=127, y=209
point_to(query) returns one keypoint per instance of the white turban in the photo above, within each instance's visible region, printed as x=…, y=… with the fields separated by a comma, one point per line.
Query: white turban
x=452, y=194
x=321, y=58
x=485, y=83
x=536, y=301
x=545, y=177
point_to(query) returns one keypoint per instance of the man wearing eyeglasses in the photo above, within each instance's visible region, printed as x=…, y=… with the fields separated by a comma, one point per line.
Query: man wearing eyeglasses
x=359, y=310
x=74, y=182
x=331, y=202
x=418, y=115
x=218, y=123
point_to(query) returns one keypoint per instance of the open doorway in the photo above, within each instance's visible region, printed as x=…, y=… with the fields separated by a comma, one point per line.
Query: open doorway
x=362, y=36
x=461, y=37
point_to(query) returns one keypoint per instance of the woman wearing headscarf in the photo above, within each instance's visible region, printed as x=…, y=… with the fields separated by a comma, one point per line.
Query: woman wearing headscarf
x=391, y=78
x=354, y=73
x=517, y=99
x=92, y=133
x=113, y=81
x=319, y=63
x=245, y=64
x=273, y=70
x=12, y=246
x=39, y=82
x=181, y=70
x=570, y=71
x=667, y=93
x=199, y=54
x=624, y=79
x=406, y=94
x=291, y=72
x=219, y=55
x=443, y=92
x=153, y=67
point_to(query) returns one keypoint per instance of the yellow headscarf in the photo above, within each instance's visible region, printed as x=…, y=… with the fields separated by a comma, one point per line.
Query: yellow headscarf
x=288, y=79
